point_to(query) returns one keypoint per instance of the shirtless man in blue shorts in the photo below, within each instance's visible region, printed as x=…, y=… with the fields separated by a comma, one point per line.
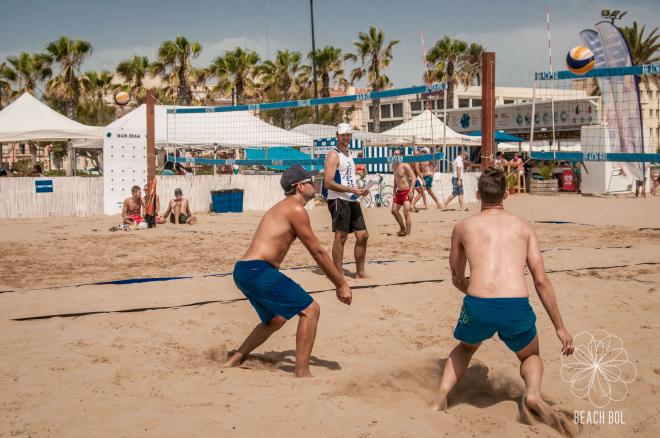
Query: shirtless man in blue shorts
x=498, y=246
x=274, y=296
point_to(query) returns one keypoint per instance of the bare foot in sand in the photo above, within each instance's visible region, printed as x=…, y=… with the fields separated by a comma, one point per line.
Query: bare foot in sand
x=362, y=275
x=440, y=403
x=401, y=233
x=535, y=409
x=302, y=372
x=235, y=360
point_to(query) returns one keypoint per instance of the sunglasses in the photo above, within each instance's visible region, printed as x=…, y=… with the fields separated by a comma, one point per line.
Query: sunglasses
x=309, y=180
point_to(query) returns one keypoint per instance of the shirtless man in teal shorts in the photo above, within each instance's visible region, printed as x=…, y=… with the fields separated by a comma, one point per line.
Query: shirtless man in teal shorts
x=498, y=245
x=275, y=297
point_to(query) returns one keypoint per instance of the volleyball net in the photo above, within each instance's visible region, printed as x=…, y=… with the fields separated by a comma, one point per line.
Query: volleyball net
x=607, y=114
x=275, y=135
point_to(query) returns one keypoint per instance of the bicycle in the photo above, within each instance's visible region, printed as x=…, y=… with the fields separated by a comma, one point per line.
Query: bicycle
x=383, y=196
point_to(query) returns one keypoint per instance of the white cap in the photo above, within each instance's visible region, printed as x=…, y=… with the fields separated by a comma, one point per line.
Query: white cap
x=344, y=128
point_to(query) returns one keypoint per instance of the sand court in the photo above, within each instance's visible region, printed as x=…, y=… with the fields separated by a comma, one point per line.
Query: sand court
x=376, y=363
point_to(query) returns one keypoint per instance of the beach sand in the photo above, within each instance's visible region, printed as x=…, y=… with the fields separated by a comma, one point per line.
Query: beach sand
x=144, y=359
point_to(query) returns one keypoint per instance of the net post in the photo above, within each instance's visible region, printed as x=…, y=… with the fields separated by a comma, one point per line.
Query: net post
x=151, y=133
x=531, y=129
x=487, y=109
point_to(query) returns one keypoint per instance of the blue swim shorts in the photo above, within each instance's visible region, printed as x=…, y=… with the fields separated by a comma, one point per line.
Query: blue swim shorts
x=512, y=318
x=457, y=190
x=270, y=292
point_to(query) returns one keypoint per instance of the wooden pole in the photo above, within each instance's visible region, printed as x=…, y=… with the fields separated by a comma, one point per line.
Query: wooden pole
x=151, y=136
x=487, y=109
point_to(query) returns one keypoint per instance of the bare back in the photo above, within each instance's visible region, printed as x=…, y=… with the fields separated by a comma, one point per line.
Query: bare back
x=275, y=233
x=495, y=243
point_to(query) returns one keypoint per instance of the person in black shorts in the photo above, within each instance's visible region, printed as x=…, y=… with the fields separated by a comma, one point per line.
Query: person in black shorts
x=343, y=195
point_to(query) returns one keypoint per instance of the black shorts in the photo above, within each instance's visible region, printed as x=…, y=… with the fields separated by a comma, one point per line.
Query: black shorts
x=346, y=216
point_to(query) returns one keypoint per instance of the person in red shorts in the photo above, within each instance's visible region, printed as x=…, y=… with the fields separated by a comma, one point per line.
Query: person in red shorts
x=132, y=208
x=404, y=177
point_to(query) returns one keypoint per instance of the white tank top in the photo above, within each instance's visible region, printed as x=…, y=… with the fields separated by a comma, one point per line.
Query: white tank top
x=344, y=175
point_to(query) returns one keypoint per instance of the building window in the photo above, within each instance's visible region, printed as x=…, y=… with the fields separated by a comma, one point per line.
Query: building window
x=463, y=103
x=509, y=101
x=371, y=112
x=22, y=148
x=415, y=106
x=397, y=110
x=476, y=102
x=385, y=111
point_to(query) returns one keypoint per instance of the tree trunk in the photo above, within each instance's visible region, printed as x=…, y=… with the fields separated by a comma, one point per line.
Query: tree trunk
x=450, y=85
x=376, y=103
x=185, y=95
x=33, y=153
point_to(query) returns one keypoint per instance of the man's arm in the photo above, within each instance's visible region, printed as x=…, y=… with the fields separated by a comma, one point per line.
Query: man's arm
x=459, y=173
x=413, y=179
x=329, y=170
x=167, y=211
x=300, y=221
x=124, y=211
x=546, y=292
x=188, y=212
x=458, y=260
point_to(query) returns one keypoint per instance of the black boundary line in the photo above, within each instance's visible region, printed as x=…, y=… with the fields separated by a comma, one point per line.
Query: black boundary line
x=154, y=279
x=202, y=303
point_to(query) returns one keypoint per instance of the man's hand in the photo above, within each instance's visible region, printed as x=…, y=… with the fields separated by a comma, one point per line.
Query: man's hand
x=411, y=195
x=344, y=294
x=566, y=341
x=361, y=192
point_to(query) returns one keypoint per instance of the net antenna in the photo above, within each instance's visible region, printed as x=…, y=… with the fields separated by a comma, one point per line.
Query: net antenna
x=552, y=101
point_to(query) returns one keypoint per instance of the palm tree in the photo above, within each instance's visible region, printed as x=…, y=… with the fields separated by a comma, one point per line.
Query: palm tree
x=133, y=72
x=5, y=86
x=96, y=85
x=236, y=72
x=198, y=79
x=642, y=50
x=375, y=56
x=471, y=65
x=285, y=76
x=26, y=71
x=174, y=63
x=329, y=67
x=69, y=54
x=446, y=60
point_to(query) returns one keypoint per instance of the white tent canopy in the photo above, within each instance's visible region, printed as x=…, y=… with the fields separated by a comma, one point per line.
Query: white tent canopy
x=28, y=119
x=427, y=129
x=207, y=130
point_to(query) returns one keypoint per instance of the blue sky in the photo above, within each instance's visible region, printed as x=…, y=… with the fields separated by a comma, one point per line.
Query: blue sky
x=515, y=30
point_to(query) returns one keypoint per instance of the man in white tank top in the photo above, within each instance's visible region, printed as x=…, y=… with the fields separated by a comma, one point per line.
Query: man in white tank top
x=343, y=195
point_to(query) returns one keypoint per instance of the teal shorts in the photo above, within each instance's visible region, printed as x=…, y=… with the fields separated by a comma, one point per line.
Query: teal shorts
x=428, y=181
x=512, y=318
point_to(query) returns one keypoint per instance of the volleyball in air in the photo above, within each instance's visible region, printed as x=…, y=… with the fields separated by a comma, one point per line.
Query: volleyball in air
x=122, y=98
x=580, y=60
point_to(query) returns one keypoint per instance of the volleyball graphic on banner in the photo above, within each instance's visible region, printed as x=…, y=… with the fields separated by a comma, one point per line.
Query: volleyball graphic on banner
x=580, y=60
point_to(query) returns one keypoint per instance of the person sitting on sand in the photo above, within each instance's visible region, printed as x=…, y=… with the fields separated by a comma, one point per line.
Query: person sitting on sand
x=274, y=296
x=498, y=245
x=178, y=210
x=404, y=177
x=159, y=219
x=132, y=208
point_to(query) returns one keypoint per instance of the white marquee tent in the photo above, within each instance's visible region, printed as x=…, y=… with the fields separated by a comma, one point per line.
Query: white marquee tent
x=28, y=119
x=428, y=129
x=207, y=130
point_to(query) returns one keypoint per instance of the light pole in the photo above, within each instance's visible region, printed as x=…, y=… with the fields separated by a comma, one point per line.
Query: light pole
x=316, y=91
x=612, y=15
